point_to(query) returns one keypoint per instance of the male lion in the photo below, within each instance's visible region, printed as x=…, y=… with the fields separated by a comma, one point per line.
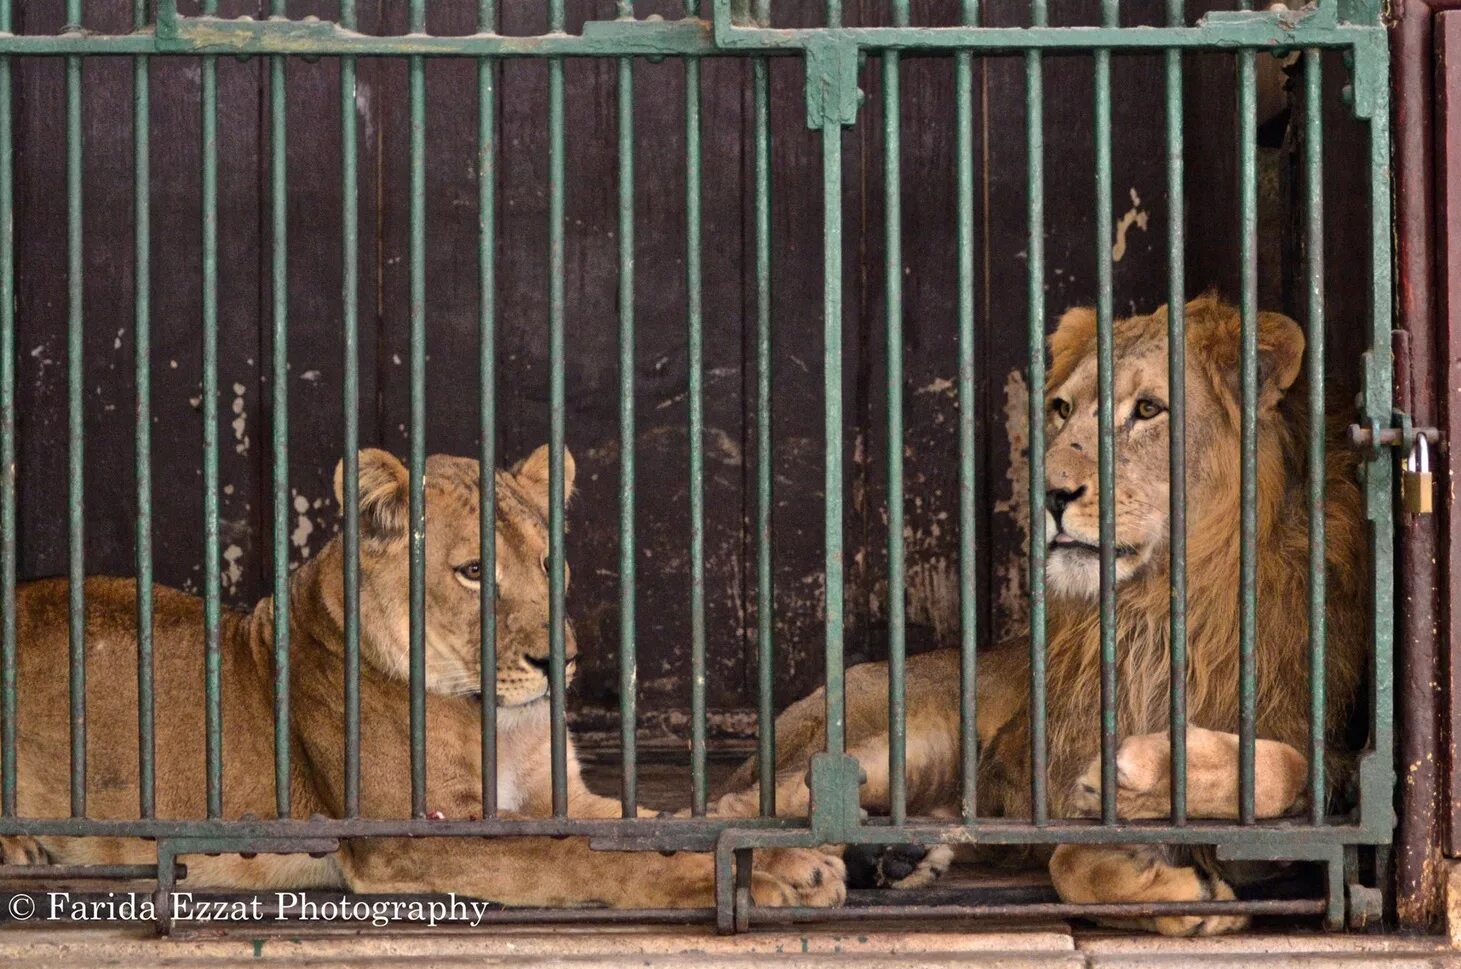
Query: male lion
x=1132, y=873
x=527, y=871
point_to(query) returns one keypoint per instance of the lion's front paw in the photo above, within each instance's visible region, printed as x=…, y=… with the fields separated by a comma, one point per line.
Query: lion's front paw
x=1213, y=889
x=811, y=878
x=896, y=866
x=20, y=849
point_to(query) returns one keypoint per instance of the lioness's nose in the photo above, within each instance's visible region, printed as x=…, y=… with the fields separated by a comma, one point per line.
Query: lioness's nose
x=1058, y=499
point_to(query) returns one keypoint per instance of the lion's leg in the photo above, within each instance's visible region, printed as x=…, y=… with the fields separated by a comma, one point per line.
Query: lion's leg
x=1144, y=778
x=20, y=849
x=1140, y=873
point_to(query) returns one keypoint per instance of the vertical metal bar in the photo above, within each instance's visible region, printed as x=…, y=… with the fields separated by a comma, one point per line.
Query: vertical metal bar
x=279, y=184
x=7, y=438
x=76, y=375
x=834, y=13
x=350, y=403
x=1314, y=232
x=487, y=404
x=832, y=417
x=628, y=657
x=893, y=284
x=1177, y=423
x=1106, y=419
x=556, y=632
x=212, y=665
x=765, y=453
x=1248, y=527
x=697, y=431
x=142, y=362
x=1035, y=322
x=968, y=598
x=418, y=418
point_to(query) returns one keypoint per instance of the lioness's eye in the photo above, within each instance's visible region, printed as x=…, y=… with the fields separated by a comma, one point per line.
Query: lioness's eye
x=1147, y=408
x=1060, y=407
x=471, y=571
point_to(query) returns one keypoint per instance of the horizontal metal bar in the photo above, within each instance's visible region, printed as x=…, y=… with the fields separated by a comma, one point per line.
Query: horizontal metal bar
x=790, y=914
x=107, y=872
x=685, y=38
x=702, y=834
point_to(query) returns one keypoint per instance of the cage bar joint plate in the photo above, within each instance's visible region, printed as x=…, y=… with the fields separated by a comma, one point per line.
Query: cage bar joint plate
x=835, y=781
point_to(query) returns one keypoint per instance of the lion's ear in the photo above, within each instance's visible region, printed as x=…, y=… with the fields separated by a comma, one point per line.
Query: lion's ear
x=532, y=473
x=1072, y=341
x=1280, y=353
x=383, y=494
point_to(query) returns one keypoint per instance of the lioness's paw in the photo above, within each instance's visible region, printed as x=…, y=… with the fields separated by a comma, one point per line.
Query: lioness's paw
x=814, y=877
x=1213, y=889
x=896, y=866
x=19, y=849
x=1143, y=779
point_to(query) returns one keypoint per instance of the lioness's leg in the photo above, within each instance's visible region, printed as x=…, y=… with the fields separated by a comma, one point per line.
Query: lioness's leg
x=20, y=849
x=1141, y=873
x=544, y=872
x=1144, y=778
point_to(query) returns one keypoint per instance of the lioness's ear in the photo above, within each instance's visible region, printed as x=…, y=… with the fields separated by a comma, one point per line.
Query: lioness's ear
x=383, y=494
x=532, y=473
x=1072, y=340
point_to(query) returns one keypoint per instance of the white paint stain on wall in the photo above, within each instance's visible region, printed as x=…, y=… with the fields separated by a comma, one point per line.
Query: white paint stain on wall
x=1134, y=217
x=303, y=528
x=233, y=567
x=240, y=420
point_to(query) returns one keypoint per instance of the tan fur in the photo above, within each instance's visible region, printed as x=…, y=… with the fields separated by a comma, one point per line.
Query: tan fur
x=1143, y=614
x=527, y=871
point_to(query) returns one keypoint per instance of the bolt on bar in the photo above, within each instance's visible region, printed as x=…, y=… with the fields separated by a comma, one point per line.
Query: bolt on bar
x=142, y=362
x=350, y=404
x=1105, y=371
x=1177, y=424
x=279, y=185
x=417, y=72
x=765, y=453
x=7, y=436
x=1035, y=322
x=628, y=656
x=487, y=403
x=1248, y=373
x=556, y=617
x=1314, y=238
x=968, y=598
x=893, y=284
x=75, y=378
x=696, y=366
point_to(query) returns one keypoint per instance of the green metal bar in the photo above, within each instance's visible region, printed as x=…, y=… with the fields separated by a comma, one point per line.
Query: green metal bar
x=832, y=417
x=765, y=452
x=1248, y=527
x=142, y=362
x=1257, y=31
x=1177, y=424
x=7, y=437
x=695, y=347
x=1314, y=232
x=1105, y=370
x=279, y=210
x=350, y=404
x=212, y=666
x=897, y=571
x=834, y=13
x=75, y=380
x=487, y=403
x=1035, y=323
x=628, y=657
x=556, y=416
x=968, y=412
x=418, y=422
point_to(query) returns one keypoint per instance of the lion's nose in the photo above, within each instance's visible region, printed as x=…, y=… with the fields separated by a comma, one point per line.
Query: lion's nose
x=540, y=663
x=1058, y=499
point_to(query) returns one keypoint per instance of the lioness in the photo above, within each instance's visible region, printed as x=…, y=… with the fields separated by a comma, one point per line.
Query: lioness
x=528, y=871
x=1138, y=873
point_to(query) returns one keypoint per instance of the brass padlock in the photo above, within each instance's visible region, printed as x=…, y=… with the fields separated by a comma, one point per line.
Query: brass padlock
x=1416, y=487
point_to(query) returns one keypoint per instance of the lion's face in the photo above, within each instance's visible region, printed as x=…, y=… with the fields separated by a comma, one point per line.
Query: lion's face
x=1142, y=438
x=454, y=573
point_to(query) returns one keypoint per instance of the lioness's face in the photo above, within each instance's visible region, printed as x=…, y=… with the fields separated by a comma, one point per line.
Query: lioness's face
x=1142, y=433
x=454, y=574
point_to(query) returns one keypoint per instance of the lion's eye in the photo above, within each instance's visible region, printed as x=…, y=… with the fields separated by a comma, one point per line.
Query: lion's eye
x=543, y=562
x=1147, y=408
x=471, y=571
x=1060, y=407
